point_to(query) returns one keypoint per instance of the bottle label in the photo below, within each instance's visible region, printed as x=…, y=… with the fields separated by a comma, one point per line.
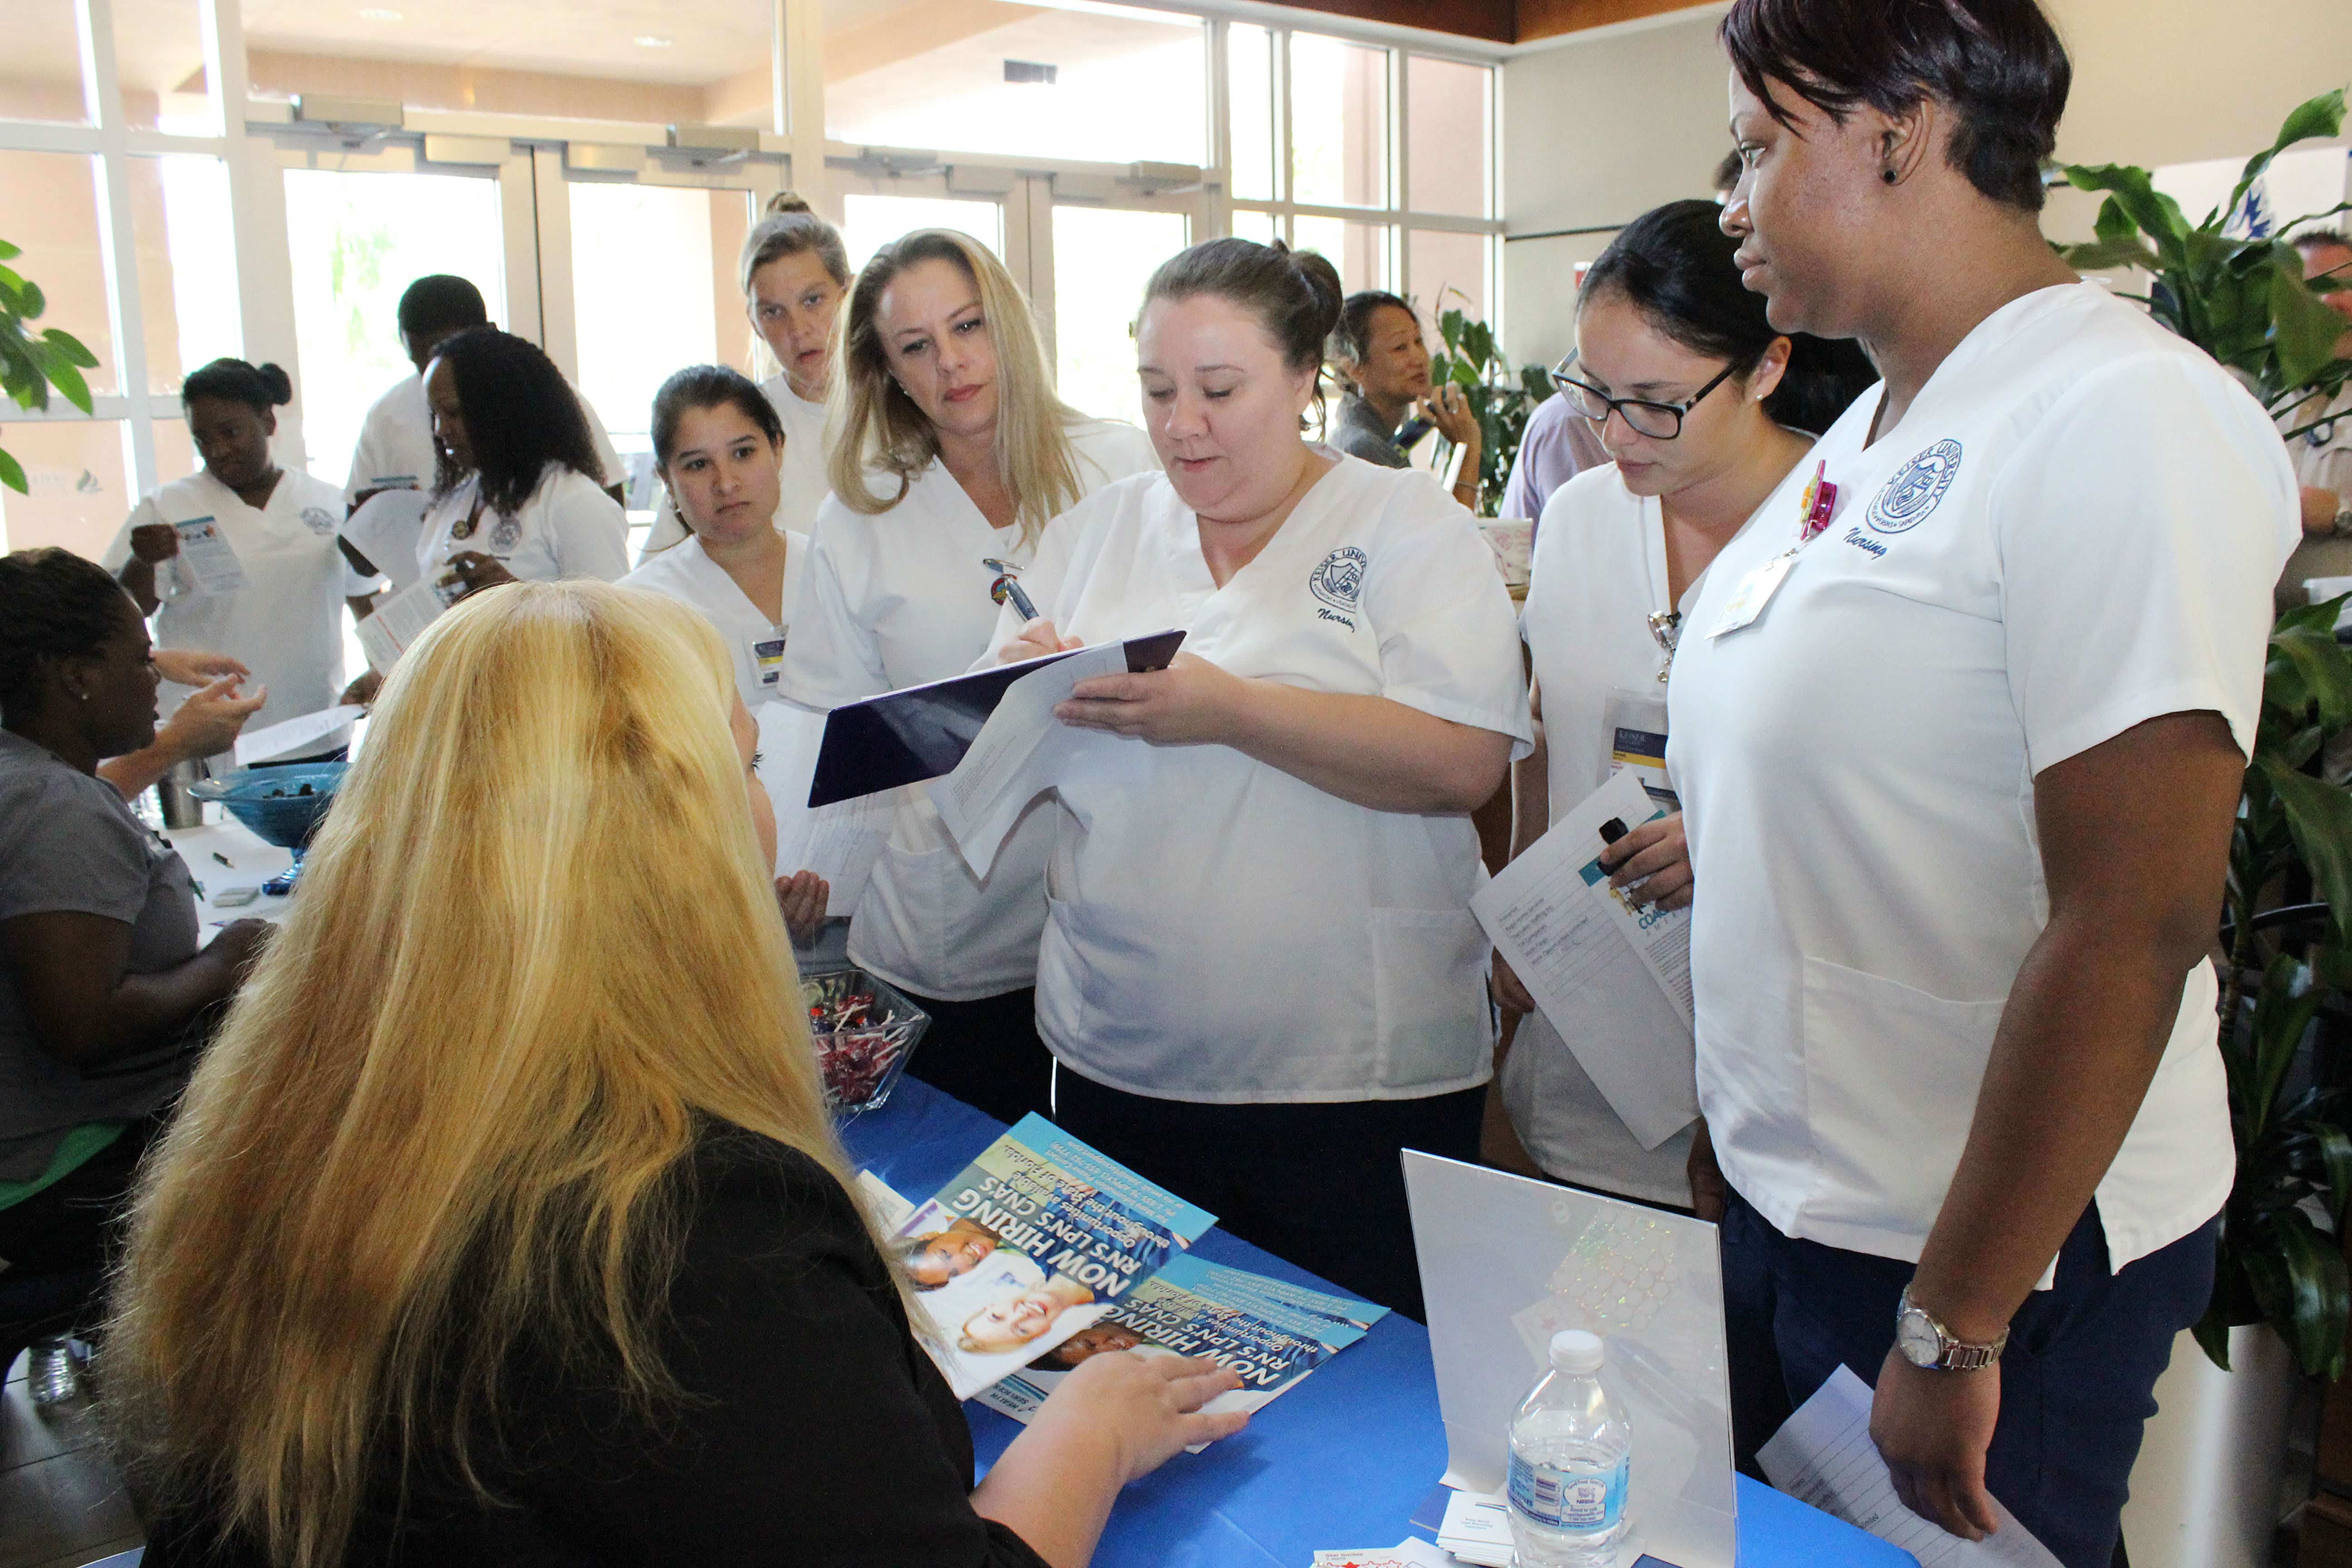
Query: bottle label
x=1569, y=1499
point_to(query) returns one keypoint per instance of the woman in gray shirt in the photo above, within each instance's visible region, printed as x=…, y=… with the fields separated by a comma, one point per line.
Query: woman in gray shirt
x=103, y=989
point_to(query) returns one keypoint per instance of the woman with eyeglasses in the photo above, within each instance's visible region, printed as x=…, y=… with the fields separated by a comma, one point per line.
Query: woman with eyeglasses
x=1704, y=408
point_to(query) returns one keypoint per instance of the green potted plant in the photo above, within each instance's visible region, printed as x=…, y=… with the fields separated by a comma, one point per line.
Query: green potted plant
x=1502, y=400
x=31, y=363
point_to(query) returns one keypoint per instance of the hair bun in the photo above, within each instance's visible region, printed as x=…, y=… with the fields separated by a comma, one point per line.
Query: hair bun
x=276, y=382
x=1322, y=280
x=785, y=201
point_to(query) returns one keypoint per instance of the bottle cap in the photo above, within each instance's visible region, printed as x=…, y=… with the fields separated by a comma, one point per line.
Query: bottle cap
x=1576, y=1353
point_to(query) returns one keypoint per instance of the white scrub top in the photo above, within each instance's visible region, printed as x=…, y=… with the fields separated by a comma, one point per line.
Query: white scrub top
x=2075, y=528
x=755, y=643
x=896, y=600
x=802, y=484
x=2323, y=459
x=395, y=445
x=285, y=625
x=567, y=527
x=1225, y=933
x=1599, y=573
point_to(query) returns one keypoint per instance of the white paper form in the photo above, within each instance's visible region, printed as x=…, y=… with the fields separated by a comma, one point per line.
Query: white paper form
x=1410, y=1552
x=399, y=619
x=1023, y=751
x=290, y=735
x=207, y=563
x=840, y=842
x=1613, y=980
x=1824, y=1456
x=386, y=527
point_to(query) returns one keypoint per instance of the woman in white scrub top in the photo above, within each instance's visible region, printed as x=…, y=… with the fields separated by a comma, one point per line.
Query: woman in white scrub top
x=1703, y=409
x=954, y=454
x=1958, y=768
x=518, y=495
x=1261, y=974
x=239, y=558
x=795, y=274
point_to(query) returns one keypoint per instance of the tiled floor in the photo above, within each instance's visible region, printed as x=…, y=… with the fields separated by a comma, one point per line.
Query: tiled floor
x=61, y=1501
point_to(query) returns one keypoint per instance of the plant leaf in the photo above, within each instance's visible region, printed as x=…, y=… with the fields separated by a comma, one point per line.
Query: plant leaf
x=2099, y=255
x=2321, y=116
x=12, y=473
x=64, y=341
x=10, y=252
x=2157, y=215
x=2303, y=329
x=2326, y=673
x=2319, y=815
x=68, y=379
x=2306, y=1289
x=30, y=301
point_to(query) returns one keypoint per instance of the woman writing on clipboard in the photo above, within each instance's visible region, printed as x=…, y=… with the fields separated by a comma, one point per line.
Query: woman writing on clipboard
x=1703, y=409
x=1261, y=973
x=1959, y=827
x=954, y=452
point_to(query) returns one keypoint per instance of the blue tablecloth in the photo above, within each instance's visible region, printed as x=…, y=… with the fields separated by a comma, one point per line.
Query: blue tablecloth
x=1341, y=1460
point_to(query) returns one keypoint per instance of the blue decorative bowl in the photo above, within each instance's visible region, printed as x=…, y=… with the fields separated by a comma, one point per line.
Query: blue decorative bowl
x=282, y=806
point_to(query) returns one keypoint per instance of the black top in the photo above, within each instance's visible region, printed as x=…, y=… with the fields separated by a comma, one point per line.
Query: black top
x=814, y=1429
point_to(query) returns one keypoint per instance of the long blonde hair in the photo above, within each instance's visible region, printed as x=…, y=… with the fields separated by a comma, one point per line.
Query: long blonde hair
x=874, y=426
x=535, y=952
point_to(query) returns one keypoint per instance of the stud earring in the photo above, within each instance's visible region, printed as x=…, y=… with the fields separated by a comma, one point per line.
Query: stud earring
x=1887, y=174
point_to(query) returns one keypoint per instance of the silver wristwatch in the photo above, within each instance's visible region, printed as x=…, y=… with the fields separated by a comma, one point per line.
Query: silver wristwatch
x=1927, y=1343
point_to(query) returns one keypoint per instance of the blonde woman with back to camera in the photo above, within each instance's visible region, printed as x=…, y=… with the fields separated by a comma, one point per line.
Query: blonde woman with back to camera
x=795, y=273
x=558, y=1262
x=951, y=454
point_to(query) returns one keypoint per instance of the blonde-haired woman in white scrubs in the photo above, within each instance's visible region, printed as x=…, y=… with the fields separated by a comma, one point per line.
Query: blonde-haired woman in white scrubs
x=1261, y=978
x=239, y=558
x=951, y=453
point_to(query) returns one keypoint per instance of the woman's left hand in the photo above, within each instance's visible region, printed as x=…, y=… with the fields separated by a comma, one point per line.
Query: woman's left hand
x=184, y=667
x=1655, y=857
x=802, y=898
x=477, y=571
x=1191, y=702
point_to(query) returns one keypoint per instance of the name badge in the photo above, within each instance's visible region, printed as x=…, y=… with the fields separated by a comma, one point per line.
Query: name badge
x=1754, y=591
x=767, y=659
x=1637, y=740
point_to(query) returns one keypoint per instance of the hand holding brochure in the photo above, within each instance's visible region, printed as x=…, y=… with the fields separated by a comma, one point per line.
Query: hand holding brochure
x=291, y=735
x=840, y=842
x=399, y=619
x=1271, y=1333
x=1035, y=1240
x=1613, y=979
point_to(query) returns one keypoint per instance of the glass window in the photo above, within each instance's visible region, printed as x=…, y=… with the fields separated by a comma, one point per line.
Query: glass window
x=1249, y=55
x=1446, y=138
x=77, y=471
x=187, y=264
x=1257, y=225
x=43, y=80
x=53, y=207
x=357, y=241
x=1102, y=259
x=1360, y=250
x=870, y=223
x=158, y=50
x=1448, y=272
x=1018, y=80
x=647, y=268
x=1339, y=122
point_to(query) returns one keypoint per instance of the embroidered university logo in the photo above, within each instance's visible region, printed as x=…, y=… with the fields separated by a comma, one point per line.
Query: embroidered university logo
x=506, y=533
x=318, y=519
x=1914, y=491
x=1339, y=581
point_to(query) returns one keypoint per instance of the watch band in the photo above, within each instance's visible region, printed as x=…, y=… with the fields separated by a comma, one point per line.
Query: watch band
x=1954, y=1354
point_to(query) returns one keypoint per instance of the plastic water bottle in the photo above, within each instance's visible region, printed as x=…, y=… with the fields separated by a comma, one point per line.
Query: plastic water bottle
x=52, y=1372
x=1572, y=1450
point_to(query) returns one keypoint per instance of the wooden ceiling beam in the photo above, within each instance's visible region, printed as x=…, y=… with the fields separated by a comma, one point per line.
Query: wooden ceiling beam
x=1496, y=21
x=1535, y=19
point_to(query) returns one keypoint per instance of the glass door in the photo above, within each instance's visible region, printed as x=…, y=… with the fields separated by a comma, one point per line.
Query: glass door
x=1102, y=258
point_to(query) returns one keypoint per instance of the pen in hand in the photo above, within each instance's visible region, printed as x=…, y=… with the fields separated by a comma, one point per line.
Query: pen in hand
x=1007, y=587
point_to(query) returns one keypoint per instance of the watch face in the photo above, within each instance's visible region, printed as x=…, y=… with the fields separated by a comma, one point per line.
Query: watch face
x=1916, y=1338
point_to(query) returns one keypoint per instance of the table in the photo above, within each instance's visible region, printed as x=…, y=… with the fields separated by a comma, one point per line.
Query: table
x=251, y=863
x=1344, y=1459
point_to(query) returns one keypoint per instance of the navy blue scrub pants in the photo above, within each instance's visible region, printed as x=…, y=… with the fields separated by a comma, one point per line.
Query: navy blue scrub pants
x=2077, y=1380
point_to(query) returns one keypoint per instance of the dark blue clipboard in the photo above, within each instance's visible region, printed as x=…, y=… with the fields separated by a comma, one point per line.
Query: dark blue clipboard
x=922, y=732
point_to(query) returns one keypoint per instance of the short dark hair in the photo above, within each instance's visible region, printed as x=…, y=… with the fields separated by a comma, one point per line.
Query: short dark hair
x=1356, y=315
x=54, y=605
x=1296, y=294
x=1998, y=63
x=521, y=415
x=708, y=386
x=2314, y=239
x=441, y=302
x=1674, y=265
x=260, y=387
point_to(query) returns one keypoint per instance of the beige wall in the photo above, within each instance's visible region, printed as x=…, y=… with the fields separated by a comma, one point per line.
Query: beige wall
x=1600, y=130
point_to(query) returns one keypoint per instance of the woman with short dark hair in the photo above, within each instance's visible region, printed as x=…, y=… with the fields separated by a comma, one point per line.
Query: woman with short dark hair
x=1386, y=363
x=1960, y=735
x=519, y=494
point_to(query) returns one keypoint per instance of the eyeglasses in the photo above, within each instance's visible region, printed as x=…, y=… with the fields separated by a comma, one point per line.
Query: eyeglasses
x=1658, y=421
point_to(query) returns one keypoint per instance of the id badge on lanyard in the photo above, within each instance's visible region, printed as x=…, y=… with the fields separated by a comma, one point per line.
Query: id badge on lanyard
x=1636, y=725
x=1756, y=590
x=766, y=656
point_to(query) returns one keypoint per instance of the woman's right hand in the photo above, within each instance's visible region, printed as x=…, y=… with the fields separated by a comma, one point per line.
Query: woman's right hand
x=1037, y=639
x=239, y=943
x=154, y=542
x=208, y=721
x=1147, y=1406
x=1510, y=991
x=802, y=899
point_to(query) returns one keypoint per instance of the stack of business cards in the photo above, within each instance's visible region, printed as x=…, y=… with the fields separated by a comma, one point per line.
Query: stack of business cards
x=1477, y=1529
x=1408, y=1553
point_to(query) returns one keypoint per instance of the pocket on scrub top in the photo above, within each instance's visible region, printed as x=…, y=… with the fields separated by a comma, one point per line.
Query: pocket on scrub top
x=1891, y=1077
x=1428, y=994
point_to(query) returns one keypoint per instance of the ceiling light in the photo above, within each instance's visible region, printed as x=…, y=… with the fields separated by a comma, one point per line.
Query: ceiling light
x=378, y=14
x=647, y=41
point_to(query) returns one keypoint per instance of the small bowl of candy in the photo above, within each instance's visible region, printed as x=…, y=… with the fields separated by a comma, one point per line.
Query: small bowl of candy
x=281, y=805
x=864, y=1030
